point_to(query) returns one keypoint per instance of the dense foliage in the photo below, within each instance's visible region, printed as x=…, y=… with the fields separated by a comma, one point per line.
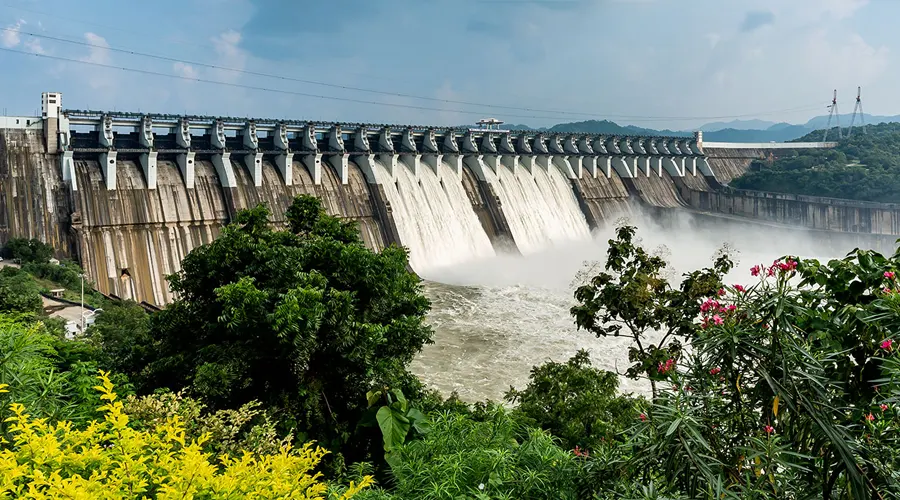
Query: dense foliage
x=27, y=251
x=18, y=292
x=785, y=387
x=109, y=460
x=306, y=319
x=865, y=166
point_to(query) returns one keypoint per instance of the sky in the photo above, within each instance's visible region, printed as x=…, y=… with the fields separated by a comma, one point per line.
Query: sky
x=653, y=63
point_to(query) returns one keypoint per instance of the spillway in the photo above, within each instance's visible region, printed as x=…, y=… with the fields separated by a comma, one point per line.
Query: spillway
x=541, y=208
x=435, y=219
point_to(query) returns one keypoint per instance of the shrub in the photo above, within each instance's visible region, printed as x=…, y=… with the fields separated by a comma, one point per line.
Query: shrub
x=230, y=431
x=19, y=292
x=495, y=458
x=110, y=459
x=28, y=250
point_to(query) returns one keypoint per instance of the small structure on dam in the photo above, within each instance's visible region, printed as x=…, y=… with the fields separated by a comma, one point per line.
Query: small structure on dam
x=129, y=194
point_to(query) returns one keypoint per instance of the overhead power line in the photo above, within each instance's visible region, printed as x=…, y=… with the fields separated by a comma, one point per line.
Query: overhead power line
x=556, y=113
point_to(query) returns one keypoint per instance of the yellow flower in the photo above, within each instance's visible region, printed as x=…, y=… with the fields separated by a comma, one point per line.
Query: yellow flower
x=110, y=460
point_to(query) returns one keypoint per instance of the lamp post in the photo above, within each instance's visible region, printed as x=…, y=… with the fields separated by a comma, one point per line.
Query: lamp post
x=82, y=302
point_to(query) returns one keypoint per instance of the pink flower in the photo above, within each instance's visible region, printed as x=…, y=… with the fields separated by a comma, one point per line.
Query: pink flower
x=732, y=308
x=788, y=265
x=889, y=275
x=664, y=368
x=717, y=319
x=721, y=292
x=870, y=417
x=754, y=271
x=887, y=290
x=643, y=417
x=715, y=371
x=709, y=305
x=884, y=407
x=770, y=271
x=887, y=344
x=769, y=429
x=739, y=288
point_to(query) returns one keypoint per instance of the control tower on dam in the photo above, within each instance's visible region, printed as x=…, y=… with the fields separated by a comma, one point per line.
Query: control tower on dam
x=128, y=195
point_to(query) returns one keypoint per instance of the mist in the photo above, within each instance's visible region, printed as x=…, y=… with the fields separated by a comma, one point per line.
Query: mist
x=496, y=318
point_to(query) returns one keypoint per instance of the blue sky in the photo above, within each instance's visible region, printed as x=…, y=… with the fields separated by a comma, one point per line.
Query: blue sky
x=653, y=63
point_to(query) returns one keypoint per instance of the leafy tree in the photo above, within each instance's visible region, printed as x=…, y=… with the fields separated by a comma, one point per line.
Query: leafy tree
x=306, y=320
x=19, y=292
x=577, y=403
x=28, y=250
x=633, y=297
x=122, y=334
x=777, y=394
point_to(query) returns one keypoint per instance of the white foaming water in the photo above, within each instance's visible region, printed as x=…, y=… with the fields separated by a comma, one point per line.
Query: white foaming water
x=541, y=209
x=436, y=221
x=497, y=318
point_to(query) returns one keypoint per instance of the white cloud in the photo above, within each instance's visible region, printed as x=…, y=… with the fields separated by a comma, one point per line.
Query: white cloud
x=99, y=51
x=185, y=70
x=10, y=37
x=34, y=45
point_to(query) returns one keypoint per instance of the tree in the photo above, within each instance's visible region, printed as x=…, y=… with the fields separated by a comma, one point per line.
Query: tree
x=787, y=388
x=577, y=403
x=634, y=298
x=306, y=320
x=28, y=250
x=19, y=292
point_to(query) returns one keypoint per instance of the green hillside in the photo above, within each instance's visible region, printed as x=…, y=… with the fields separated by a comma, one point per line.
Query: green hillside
x=864, y=167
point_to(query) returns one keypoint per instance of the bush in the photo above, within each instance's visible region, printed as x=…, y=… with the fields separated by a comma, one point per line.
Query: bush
x=230, y=432
x=110, y=459
x=28, y=250
x=577, y=403
x=19, y=292
x=496, y=458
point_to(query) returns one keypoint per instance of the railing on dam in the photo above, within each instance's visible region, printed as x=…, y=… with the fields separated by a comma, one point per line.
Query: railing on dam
x=221, y=140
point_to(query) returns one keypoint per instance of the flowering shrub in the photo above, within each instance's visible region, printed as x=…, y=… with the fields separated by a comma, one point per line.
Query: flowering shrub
x=787, y=387
x=109, y=459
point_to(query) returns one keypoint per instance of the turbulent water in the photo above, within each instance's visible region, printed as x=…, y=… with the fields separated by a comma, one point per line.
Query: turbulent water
x=495, y=319
x=540, y=208
x=435, y=220
x=497, y=316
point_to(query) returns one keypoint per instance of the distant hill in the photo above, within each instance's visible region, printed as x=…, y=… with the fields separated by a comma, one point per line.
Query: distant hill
x=737, y=125
x=733, y=131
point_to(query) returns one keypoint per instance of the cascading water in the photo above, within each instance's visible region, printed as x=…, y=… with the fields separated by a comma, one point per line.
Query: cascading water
x=540, y=208
x=435, y=219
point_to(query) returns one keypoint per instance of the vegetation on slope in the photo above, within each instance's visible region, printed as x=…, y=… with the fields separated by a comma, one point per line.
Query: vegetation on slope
x=786, y=387
x=863, y=167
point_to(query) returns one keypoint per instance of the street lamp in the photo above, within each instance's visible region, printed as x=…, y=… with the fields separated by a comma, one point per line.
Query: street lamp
x=82, y=302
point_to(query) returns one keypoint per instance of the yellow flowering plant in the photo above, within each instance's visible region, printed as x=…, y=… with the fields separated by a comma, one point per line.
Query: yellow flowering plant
x=108, y=459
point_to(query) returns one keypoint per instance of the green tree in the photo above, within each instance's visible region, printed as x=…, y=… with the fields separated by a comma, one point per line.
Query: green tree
x=306, y=320
x=122, y=334
x=776, y=394
x=28, y=250
x=577, y=403
x=19, y=292
x=633, y=297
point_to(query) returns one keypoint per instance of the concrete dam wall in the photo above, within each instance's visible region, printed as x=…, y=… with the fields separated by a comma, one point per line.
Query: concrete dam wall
x=129, y=207
x=134, y=231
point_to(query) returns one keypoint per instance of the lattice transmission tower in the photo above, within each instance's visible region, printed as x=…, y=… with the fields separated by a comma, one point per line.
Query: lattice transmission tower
x=833, y=112
x=857, y=108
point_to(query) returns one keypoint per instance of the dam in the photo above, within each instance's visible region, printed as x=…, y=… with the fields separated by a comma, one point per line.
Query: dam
x=128, y=195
